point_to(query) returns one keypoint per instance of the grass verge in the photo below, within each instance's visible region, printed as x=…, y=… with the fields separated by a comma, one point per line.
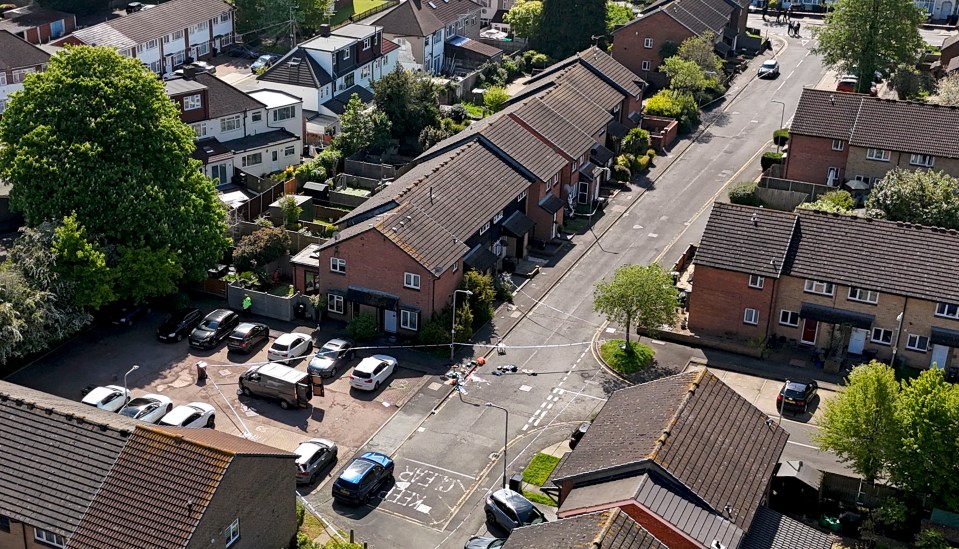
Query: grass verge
x=537, y=497
x=540, y=468
x=624, y=362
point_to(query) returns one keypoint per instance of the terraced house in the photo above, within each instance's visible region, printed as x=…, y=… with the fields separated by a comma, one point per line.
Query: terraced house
x=18, y=58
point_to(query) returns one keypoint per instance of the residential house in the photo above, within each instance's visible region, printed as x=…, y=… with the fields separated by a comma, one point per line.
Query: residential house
x=609, y=529
x=37, y=25
x=839, y=137
x=431, y=27
x=327, y=69
x=949, y=51
x=259, y=133
x=18, y=58
x=939, y=10
x=165, y=36
x=79, y=477
x=694, y=470
x=806, y=278
x=492, y=12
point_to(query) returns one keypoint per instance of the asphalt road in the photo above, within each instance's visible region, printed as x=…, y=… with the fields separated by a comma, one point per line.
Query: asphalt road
x=933, y=37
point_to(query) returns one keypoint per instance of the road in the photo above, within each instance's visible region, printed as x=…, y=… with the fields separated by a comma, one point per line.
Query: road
x=448, y=459
x=933, y=37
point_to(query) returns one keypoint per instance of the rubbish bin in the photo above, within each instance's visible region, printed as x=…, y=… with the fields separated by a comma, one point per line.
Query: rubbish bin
x=200, y=371
x=516, y=483
x=300, y=310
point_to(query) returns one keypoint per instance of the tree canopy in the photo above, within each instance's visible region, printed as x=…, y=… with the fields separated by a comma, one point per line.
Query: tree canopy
x=362, y=128
x=410, y=103
x=921, y=196
x=567, y=26
x=947, y=91
x=833, y=201
x=637, y=296
x=684, y=76
x=702, y=51
x=864, y=37
x=523, y=18
x=617, y=15
x=96, y=136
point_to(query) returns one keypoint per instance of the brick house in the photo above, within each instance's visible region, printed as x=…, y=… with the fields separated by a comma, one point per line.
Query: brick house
x=804, y=277
x=166, y=35
x=948, y=51
x=838, y=137
x=692, y=471
x=260, y=132
x=37, y=25
x=18, y=58
x=76, y=476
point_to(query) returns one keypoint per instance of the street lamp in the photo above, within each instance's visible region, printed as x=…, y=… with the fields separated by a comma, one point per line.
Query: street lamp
x=453, y=329
x=782, y=402
x=126, y=394
x=782, y=116
x=895, y=344
x=505, y=438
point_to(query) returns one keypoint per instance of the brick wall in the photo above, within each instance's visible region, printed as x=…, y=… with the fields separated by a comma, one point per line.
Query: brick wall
x=718, y=301
x=664, y=532
x=629, y=42
x=810, y=158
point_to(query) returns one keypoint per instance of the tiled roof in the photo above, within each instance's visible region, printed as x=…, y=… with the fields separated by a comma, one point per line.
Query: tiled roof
x=297, y=68
x=950, y=40
x=747, y=240
x=772, y=530
x=154, y=23
x=602, y=65
x=534, y=155
x=475, y=46
x=54, y=456
x=554, y=127
x=224, y=99
x=341, y=100
x=698, y=16
x=27, y=17
x=702, y=433
x=568, y=102
x=16, y=53
x=419, y=17
x=825, y=113
x=907, y=126
x=609, y=529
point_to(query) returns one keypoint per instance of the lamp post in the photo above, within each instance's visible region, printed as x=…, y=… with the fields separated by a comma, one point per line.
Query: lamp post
x=453, y=329
x=782, y=402
x=126, y=393
x=895, y=344
x=782, y=116
x=505, y=438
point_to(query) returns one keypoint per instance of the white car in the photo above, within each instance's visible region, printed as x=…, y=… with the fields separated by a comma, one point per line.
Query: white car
x=148, y=408
x=288, y=347
x=371, y=372
x=194, y=415
x=110, y=398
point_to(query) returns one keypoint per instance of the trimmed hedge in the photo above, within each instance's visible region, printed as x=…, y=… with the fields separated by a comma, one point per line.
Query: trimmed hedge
x=744, y=193
x=770, y=158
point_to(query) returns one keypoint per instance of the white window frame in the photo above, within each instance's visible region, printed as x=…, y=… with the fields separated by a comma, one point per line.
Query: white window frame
x=335, y=304
x=863, y=295
x=879, y=155
x=20, y=75
x=199, y=27
x=346, y=54
x=819, y=287
x=789, y=318
x=913, y=343
x=882, y=332
x=554, y=180
x=838, y=144
x=366, y=43
x=521, y=196
x=199, y=129
x=498, y=216
x=756, y=281
x=751, y=316
x=924, y=160
x=338, y=265
x=256, y=116
x=3, y=78
x=232, y=532
x=225, y=16
x=411, y=280
x=252, y=159
x=192, y=102
x=648, y=43
x=409, y=320
x=284, y=113
x=49, y=538
x=202, y=48
x=230, y=123
x=644, y=66
x=947, y=310
x=289, y=151
x=484, y=228
x=178, y=35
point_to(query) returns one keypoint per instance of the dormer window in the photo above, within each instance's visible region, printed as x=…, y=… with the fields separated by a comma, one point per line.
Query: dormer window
x=366, y=43
x=346, y=53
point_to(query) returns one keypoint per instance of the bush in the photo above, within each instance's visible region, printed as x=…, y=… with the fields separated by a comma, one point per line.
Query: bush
x=641, y=163
x=780, y=137
x=362, y=327
x=259, y=248
x=673, y=104
x=481, y=301
x=769, y=159
x=636, y=141
x=744, y=193
x=620, y=173
x=494, y=98
x=330, y=159
x=437, y=330
x=291, y=212
x=458, y=113
x=931, y=539
x=651, y=153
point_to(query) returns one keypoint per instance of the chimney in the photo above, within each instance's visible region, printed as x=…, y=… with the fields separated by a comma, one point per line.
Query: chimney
x=324, y=29
x=189, y=72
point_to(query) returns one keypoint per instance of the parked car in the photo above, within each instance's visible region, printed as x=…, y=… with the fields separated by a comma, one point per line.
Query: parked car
x=276, y=381
x=333, y=354
x=148, y=408
x=849, y=83
x=796, y=395
x=363, y=478
x=199, y=66
x=578, y=433
x=124, y=313
x=263, y=62
x=110, y=398
x=247, y=336
x=483, y=542
x=179, y=324
x=195, y=415
x=214, y=328
x=769, y=69
x=510, y=510
x=288, y=347
x=372, y=372
x=312, y=457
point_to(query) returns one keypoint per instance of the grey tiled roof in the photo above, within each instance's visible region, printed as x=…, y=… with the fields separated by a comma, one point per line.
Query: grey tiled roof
x=907, y=126
x=154, y=23
x=224, y=99
x=772, y=530
x=17, y=53
x=554, y=127
x=949, y=40
x=422, y=17
x=341, y=100
x=700, y=16
x=54, y=456
x=683, y=511
x=602, y=65
x=297, y=68
x=825, y=113
x=609, y=529
x=576, y=108
x=534, y=155
x=747, y=240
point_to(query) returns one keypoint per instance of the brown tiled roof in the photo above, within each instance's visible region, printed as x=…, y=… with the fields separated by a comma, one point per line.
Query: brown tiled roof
x=825, y=113
x=700, y=16
x=773, y=530
x=475, y=46
x=609, y=529
x=907, y=126
x=577, y=108
x=422, y=17
x=554, y=127
x=702, y=433
x=154, y=23
x=586, y=83
x=747, y=240
x=17, y=53
x=531, y=153
x=602, y=65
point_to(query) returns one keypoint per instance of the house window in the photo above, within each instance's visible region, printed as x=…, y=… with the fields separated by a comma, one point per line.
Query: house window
x=225, y=16
x=751, y=316
x=191, y=102
x=862, y=178
x=284, y=113
x=202, y=49
x=922, y=160
x=947, y=309
x=521, y=196
x=819, y=287
x=346, y=54
x=645, y=66
x=349, y=80
x=3, y=79
x=837, y=144
x=648, y=43
x=484, y=228
x=226, y=40
x=199, y=129
x=878, y=154
x=498, y=216
x=230, y=123
x=866, y=296
x=21, y=74
x=409, y=320
x=411, y=280
x=4, y=523
x=334, y=303
x=178, y=35
x=338, y=265
x=49, y=537
x=199, y=27
x=252, y=159
x=788, y=318
x=450, y=29
x=256, y=116
x=366, y=43
x=554, y=180
x=233, y=532
x=917, y=342
x=366, y=70
x=756, y=281
x=882, y=336
x=428, y=37
x=289, y=151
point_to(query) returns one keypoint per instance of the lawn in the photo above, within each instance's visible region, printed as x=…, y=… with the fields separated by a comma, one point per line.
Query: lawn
x=359, y=6
x=537, y=497
x=540, y=468
x=614, y=353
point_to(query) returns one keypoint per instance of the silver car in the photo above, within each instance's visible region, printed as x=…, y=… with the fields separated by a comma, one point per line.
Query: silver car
x=334, y=354
x=510, y=510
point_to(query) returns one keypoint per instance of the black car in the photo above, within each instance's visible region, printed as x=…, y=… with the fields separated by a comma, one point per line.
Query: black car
x=133, y=7
x=358, y=482
x=796, y=395
x=179, y=324
x=215, y=327
x=577, y=434
x=124, y=313
x=247, y=336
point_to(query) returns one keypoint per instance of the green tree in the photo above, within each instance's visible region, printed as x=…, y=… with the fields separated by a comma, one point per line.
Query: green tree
x=96, y=135
x=563, y=33
x=833, y=201
x=83, y=263
x=636, y=142
x=684, y=76
x=637, y=295
x=484, y=292
x=432, y=135
x=921, y=196
x=617, y=15
x=494, y=98
x=409, y=101
x=947, y=91
x=291, y=211
x=702, y=51
x=859, y=424
x=361, y=128
x=147, y=272
x=523, y=18
x=261, y=247
x=674, y=104
x=864, y=37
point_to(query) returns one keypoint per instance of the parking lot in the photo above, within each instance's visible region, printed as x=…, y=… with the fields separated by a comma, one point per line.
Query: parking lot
x=102, y=355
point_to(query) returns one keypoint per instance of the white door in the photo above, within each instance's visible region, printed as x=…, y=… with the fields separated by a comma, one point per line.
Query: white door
x=389, y=321
x=857, y=338
x=275, y=166
x=945, y=10
x=940, y=354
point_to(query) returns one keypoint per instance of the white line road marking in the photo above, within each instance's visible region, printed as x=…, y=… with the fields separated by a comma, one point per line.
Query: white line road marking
x=525, y=388
x=550, y=406
x=536, y=423
x=565, y=392
x=804, y=445
x=525, y=427
x=440, y=468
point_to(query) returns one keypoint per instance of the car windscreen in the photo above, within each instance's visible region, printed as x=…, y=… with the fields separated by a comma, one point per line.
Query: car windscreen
x=209, y=324
x=532, y=516
x=327, y=350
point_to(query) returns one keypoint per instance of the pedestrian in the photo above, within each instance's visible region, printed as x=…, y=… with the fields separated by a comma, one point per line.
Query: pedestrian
x=247, y=304
x=765, y=9
x=790, y=31
x=797, y=29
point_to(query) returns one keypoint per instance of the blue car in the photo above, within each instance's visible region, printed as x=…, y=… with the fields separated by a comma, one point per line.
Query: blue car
x=363, y=478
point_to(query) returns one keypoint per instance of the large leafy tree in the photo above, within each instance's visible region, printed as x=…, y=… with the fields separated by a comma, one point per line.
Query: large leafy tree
x=83, y=263
x=568, y=26
x=864, y=36
x=859, y=423
x=617, y=15
x=523, y=18
x=684, y=76
x=361, y=128
x=409, y=101
x=637, y=296
x=920, y=196
x=947, y=91
x=702, y=51
x=97, y=136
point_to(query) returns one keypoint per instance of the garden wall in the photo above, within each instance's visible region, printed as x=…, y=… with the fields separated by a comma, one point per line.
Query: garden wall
x=662, y=131
x=264, y=304
x=370, y=170
x=298, y=241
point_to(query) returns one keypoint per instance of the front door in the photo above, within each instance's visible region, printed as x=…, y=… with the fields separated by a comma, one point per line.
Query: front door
x=583, y=194
x=218, y=172
x=276, y=161
x=857, y=339
x=389, y=321
x=945, y=10
x=940, y=354
x=809, y=331
x=56, y=29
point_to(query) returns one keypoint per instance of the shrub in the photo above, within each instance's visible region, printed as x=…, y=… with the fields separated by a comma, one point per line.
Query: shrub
x=769, y=159
x=260, y=247
x=291, y=212
x=494, y=98
x=362, y=327
x=744, y=193
x=484, y=293
x=833, y=201
x=625, y=160
x=651, y=153
x=459, y=113
x=330, y=159
x=641, y=163
x=673, y=104
x=620, y=173
x=636, y=141
x=780, y=137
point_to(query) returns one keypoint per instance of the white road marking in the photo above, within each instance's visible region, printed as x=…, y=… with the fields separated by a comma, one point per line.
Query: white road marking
x=525, y=388
x=803, y=445
x=440, y=468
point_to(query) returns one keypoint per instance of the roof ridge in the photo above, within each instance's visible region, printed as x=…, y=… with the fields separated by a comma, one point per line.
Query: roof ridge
x=182, y=437
x=693, y=385
x=597, y=540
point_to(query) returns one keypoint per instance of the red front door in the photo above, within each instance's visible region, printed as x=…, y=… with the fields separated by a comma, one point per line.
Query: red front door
x=809, y=330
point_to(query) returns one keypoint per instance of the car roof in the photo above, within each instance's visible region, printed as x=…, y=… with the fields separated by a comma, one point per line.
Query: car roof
x=770, y=62
x=514, y=500
x=178, y=415
x=337, y=343
x=289, y=338
x=246, y=327
x=219, y=313
x=98, y=394
x=281, y=371
x=371, y=362
x=356, y=471
x=310, y=447
x=377, y=457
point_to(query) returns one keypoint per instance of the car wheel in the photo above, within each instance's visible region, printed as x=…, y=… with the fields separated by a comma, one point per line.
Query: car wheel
x=169, y=407
x=285, y=405
x=490, y=518
x=247, y=392
x=211, y=423
x=376, y=386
